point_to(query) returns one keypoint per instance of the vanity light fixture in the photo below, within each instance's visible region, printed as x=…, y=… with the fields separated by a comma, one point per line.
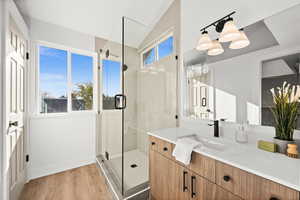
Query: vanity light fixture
x=228, y=33
x=204, y=42
x=216, y=48
x=241, y=42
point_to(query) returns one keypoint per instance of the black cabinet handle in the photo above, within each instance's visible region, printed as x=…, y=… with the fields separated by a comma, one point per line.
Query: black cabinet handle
x=193, y=193
x=165, y=149
x=153, y=143
x=226, y=178
x=273, y=198
x=184, y=185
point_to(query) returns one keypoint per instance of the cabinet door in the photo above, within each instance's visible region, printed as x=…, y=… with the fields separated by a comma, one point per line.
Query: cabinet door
x=203, y=166
x=159, y=176
x=179, y=182
x=278, y=192
x=221, y=194
x=201, y=189
x=168, y=180
x=231, y=178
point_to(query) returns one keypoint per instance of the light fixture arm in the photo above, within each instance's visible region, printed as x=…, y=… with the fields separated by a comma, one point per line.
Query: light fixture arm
x=216, y=22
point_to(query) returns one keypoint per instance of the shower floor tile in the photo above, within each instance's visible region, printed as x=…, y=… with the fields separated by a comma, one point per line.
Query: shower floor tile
x=136, y=168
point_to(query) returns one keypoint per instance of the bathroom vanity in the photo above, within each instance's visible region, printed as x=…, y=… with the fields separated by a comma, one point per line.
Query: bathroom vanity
x=220, y=170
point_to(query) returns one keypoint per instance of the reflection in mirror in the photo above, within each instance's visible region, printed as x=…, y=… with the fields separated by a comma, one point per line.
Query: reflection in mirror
x=227, y=112
x=274, y=73
x=199, y=87
x=242, y=78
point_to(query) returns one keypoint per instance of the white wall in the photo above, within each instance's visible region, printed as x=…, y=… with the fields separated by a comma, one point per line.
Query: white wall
x=61, y=143
x=58, y=143
x=59, y=35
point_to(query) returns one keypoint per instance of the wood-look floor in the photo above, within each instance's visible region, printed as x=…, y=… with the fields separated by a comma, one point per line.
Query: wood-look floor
x=84, y=183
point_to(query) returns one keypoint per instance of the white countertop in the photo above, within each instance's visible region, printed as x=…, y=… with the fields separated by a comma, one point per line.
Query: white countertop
x=273, y=166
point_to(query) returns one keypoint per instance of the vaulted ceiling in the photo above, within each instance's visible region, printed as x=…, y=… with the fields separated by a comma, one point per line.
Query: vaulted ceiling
x=100, y=18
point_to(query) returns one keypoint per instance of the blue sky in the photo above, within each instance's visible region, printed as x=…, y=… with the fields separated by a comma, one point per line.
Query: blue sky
x=111, y=74
x=53, y=70
x=82, y=69
x=164, y=49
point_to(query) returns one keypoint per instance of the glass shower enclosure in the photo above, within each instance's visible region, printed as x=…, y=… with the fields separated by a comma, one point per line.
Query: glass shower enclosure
x=146, y=101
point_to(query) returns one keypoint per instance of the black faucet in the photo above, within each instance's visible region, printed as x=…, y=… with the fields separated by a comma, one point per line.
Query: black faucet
x=216, y=128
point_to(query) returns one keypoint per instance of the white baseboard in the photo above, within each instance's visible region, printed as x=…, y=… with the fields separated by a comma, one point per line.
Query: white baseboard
x=58, y=167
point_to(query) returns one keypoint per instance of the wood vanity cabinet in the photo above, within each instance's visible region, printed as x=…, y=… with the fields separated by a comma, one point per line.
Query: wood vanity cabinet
x=168, y=180
x=250, y=186
x=171, y=181
x=206, y=179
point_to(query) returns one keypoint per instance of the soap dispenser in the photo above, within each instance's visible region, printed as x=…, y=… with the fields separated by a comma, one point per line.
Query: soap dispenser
x=241, y=135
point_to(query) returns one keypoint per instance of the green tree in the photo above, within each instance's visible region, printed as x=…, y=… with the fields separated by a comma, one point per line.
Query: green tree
x=84, y=92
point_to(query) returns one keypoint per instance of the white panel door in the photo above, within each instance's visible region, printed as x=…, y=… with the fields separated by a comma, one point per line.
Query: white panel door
x=15, y=135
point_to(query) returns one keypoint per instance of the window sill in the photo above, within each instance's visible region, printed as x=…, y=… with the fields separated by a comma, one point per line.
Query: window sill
x=64, y=115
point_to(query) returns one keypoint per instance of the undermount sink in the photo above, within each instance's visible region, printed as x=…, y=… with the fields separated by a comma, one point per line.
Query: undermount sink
x=212, y=143
x=209, y=142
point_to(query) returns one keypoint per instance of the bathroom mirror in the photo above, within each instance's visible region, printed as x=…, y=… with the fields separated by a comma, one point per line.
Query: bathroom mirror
x=240, y=79
x=274, y=73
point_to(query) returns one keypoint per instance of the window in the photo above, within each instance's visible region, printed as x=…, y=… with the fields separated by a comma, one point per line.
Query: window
x=111, y=73
x=165, y=48
x=82, y=82
x=159, y=50
x=65, y=80
x=149, y=57
x=53, y=80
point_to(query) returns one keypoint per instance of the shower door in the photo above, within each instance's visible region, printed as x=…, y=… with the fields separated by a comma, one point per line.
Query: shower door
x=150, y=98
x=110, y=138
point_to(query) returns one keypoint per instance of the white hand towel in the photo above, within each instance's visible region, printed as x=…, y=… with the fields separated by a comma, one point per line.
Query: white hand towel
x=183, y=149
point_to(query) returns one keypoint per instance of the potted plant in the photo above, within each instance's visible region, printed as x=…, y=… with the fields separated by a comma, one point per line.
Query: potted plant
x=285, y=112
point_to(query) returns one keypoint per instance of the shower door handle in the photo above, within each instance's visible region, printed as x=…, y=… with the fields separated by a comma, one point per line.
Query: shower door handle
x=120, y=101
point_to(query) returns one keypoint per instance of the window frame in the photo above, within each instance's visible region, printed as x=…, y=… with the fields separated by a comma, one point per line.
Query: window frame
x=154, y=44
x=69, y=51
